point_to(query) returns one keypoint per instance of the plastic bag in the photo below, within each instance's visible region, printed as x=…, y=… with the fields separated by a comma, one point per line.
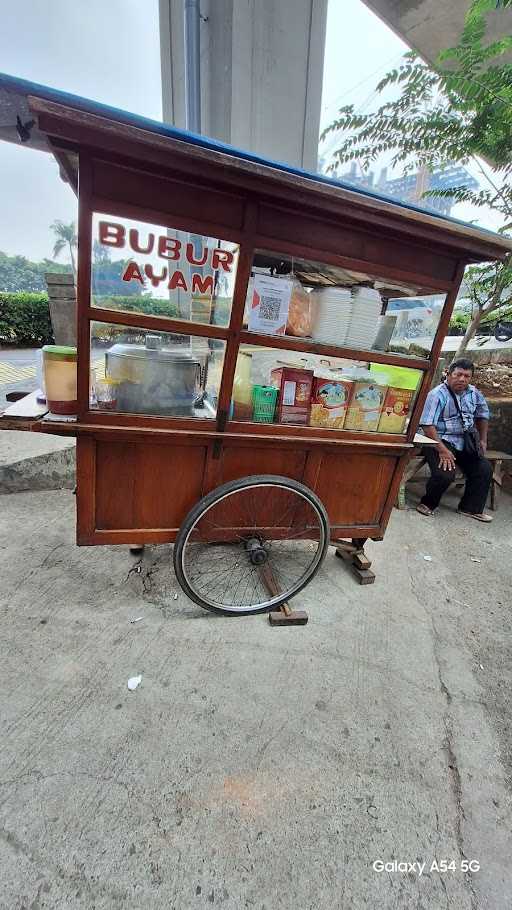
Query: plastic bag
x=299, y=313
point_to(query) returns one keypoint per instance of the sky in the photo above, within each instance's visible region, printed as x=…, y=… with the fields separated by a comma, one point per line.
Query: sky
x=359, y=50
x=108, y=50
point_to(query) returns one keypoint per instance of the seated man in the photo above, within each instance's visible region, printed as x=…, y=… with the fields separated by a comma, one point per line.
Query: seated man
x=450, y=409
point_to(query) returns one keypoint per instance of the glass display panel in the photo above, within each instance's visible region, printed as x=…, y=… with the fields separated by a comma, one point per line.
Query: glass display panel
x=158, y=271
x=137, y=371
x=334, y=306
x=289, y=388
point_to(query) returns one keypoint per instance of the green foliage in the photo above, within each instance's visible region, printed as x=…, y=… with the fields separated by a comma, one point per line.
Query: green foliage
x=504, y=314
x=491, y=280
x=150, y=306
x=107, y=277
x=458, y=324
x=19, y=274
x=457, y=111
x=460, y=321
x=25, y=319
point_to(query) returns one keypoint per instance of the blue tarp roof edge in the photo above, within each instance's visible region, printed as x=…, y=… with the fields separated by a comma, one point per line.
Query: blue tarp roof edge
x=25, y=87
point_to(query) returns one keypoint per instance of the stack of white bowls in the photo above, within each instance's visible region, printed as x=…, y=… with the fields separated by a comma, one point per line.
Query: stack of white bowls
x=332, y=315
x=364, y=322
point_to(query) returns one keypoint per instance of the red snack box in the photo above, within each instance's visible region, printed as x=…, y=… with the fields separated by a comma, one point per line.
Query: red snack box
x=295, y=388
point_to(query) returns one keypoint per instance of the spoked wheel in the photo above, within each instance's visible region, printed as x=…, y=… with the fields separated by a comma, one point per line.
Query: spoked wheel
x=251, y=544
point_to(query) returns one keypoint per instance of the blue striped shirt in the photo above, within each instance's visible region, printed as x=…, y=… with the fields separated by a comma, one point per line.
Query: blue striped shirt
x=440, y=412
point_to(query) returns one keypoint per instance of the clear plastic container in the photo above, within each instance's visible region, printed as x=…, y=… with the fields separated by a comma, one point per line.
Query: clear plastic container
x=41, y=393
x=242, y=388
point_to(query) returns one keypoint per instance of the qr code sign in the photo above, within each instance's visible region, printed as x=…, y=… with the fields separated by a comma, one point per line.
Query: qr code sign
x=270, y=308
x=270, y=304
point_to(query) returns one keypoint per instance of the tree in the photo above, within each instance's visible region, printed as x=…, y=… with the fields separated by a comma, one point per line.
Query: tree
x=20, y=274
x=107, y=275
x=100, y=253
x=66, y=237
x=456, y=112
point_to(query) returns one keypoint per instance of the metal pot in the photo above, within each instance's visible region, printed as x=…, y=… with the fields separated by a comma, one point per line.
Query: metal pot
x=154, y=380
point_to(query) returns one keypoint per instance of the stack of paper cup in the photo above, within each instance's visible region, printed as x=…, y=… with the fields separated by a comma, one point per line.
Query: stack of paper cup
x=332, y=314
x=364, y=322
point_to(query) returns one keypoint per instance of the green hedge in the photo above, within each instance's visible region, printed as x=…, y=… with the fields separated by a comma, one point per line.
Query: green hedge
x=458, y=324
x=152, y=306
x=25, y=318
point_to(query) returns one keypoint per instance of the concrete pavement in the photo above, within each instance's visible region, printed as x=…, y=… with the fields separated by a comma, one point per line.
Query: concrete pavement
x=35, y=461
x=254, y=767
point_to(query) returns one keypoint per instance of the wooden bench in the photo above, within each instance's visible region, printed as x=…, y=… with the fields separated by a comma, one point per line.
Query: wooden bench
x=499, y=461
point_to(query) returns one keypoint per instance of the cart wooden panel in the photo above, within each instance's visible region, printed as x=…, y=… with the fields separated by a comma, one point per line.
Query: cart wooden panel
x=142, y=487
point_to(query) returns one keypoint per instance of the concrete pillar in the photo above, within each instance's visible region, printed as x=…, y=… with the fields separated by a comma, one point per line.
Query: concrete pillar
x=261, y=73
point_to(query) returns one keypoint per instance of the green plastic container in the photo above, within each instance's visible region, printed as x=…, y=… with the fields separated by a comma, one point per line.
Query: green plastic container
x=264, y=399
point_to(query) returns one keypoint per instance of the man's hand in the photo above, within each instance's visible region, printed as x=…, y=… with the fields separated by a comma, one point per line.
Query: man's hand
x=482, y=427
x=446, y=458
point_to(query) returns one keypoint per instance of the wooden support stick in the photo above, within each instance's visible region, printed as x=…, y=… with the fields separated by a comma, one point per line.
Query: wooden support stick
x=361, y=560
x=285, y=616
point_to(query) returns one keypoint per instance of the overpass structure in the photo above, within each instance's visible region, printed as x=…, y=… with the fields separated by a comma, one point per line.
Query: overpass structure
x=260, y=64
x=431, y=26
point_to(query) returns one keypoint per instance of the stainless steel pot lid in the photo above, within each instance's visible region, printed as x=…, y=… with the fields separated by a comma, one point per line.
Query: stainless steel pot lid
x=140, y=352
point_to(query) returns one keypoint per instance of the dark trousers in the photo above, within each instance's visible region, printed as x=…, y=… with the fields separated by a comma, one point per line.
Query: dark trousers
x=478, y=473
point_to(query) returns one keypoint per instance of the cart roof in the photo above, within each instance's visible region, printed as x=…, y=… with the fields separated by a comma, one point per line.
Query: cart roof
x=23, y=104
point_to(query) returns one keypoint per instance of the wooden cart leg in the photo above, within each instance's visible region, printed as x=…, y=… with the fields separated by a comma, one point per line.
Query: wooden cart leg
x=496, y=483
x=354, y=554
x=136, y=549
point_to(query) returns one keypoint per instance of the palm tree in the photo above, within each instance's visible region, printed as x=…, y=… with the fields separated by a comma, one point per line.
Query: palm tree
x=66, y=237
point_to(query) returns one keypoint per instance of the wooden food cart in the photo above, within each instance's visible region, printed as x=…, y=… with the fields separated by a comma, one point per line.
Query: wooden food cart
x=234, y=265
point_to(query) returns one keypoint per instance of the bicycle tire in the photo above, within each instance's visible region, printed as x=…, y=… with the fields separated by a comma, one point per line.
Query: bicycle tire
x=220, y=493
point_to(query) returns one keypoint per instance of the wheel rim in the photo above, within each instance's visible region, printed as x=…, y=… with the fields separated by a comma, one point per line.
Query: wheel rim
x=253, y=548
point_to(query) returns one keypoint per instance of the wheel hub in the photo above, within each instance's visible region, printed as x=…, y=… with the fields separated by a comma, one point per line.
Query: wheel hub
x=257, y=552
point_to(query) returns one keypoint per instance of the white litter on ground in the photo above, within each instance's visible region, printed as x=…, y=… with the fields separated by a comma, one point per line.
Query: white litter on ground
x=134, y=682
x=136, y=620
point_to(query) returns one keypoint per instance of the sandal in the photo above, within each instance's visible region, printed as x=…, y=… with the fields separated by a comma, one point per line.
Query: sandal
x=423, y=509
x=481, y=517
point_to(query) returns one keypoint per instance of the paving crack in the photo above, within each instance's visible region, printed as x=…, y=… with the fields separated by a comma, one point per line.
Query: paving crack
x=448, y=742
x=135, y=569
